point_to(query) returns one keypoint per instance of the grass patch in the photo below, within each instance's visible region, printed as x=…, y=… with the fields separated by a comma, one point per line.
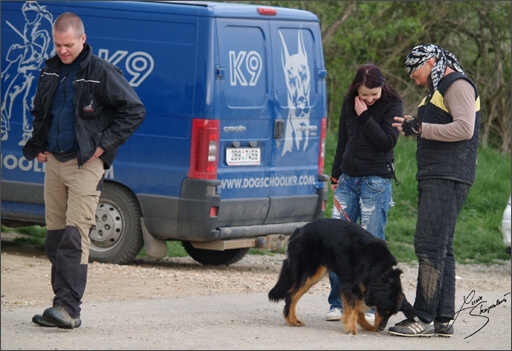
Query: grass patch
x=31, y=236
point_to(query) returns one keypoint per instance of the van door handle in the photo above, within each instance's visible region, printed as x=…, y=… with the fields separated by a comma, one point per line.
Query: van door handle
x=278, y=129
x=219, y=72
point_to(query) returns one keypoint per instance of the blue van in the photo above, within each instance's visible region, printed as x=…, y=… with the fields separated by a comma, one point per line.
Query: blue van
x=231, y=153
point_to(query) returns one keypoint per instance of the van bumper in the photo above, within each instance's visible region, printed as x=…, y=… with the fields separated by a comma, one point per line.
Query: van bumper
x=199, y=215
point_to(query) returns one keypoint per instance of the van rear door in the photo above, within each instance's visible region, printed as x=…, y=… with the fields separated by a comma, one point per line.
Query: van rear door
x=300, y=117
x=271, y=110
x=245, y=110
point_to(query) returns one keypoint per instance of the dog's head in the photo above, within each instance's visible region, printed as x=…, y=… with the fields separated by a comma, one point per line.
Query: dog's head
x=386, y=295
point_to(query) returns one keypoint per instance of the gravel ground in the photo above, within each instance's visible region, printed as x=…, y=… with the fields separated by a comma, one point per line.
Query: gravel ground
x=176, y=303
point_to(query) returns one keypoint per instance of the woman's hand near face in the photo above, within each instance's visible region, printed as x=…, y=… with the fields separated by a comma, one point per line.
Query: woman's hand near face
x=360, y=105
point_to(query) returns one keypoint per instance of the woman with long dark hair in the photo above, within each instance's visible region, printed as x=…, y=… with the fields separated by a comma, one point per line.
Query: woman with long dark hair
x=363, y=166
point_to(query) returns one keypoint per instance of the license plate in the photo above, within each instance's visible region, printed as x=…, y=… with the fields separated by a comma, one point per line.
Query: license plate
x=243, y=156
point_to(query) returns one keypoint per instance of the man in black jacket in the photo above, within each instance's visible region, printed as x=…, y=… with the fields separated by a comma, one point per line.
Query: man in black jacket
x=84, y=109
x=447, y=130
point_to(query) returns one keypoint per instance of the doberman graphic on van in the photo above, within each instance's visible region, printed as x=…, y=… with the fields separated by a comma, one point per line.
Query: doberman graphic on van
x=297, y=77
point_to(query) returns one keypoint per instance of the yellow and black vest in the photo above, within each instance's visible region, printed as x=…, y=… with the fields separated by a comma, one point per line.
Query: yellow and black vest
x=446, y=160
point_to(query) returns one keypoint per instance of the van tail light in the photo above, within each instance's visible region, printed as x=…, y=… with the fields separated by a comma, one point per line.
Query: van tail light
x=204, y=149
x=321, y=154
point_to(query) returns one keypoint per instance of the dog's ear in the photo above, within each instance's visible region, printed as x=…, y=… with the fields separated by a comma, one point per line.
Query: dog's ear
x=407, y=309
x=394, y=275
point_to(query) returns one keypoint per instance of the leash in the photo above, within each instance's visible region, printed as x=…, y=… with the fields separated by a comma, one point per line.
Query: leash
x=339, y=208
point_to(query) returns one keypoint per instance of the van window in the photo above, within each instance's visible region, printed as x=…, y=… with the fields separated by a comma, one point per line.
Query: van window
x=247, y=81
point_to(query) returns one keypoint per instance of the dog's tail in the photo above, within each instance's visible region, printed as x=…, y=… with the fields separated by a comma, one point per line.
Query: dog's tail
x=283, y=285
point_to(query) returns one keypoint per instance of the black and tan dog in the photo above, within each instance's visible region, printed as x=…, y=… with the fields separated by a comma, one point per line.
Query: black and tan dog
x=363, y=263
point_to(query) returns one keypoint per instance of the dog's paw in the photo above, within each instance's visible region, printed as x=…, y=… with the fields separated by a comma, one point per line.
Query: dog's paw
x=351, y=331
x=365, y=325
x=294, y=322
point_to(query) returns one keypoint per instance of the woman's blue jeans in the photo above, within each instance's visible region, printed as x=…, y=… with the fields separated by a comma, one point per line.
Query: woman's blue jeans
x=365, y=200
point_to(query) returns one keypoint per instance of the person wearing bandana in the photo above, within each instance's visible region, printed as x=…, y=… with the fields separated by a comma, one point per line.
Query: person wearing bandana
x=447, y=129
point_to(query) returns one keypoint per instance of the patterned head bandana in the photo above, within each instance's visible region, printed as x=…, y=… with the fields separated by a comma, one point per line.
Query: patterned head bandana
x=421, y=53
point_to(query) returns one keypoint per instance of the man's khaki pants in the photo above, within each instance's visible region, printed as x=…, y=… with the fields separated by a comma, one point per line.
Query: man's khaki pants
x=71, y=196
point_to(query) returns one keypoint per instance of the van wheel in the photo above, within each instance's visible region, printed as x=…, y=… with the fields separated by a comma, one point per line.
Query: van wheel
x=117, y=237
x=214, y=257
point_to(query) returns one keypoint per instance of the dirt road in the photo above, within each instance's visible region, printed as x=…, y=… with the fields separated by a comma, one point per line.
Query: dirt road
x=176, y=303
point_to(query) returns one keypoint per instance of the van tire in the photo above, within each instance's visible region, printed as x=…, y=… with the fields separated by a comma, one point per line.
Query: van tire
x=117, y=237
x=214, y=257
